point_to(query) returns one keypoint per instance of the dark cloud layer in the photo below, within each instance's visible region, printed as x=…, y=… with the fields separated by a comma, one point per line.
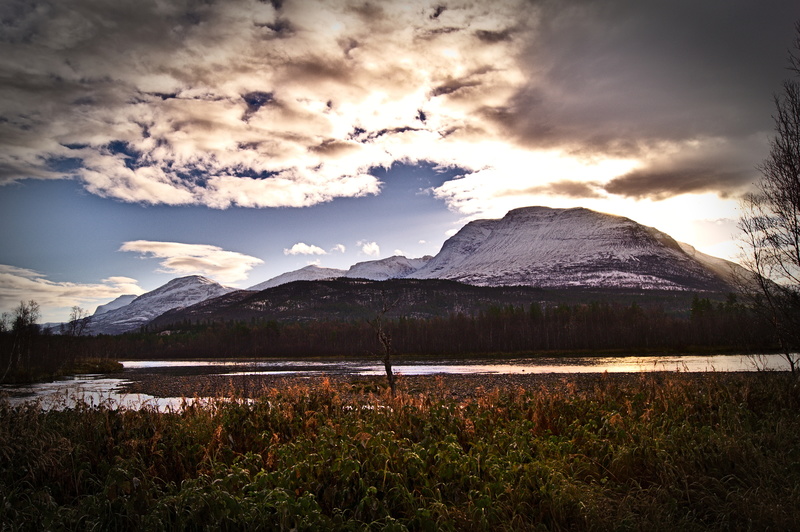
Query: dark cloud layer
x=658, y=71
x=624, y=78
x=663, y=184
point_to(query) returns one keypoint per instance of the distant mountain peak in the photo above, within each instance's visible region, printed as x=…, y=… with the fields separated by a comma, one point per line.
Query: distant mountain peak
x=307, y=273
x=177, y=293
x=537, y=247
x=394, y=267
x=560, y=248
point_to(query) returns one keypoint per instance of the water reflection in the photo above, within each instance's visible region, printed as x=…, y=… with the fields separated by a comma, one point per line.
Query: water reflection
x=631, y=364
x=95, y=390
x=92, y=391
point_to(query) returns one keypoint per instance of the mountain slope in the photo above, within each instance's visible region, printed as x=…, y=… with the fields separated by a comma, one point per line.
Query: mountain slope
x=346, y=299
x=559, y=248
x=389, y=268
x=119, y=302
x=177, y=293
x=309, y=273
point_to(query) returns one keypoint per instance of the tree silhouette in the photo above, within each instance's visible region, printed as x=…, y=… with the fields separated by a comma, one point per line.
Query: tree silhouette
x=770, y=220
x=384, y=337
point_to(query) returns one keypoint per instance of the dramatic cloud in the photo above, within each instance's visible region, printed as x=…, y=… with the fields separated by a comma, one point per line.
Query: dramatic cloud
x=267, y=104
x=304, y=249
x=530, y=179
x=239, y=103
x=19, y=284
x=196, y=259
x=636, y=108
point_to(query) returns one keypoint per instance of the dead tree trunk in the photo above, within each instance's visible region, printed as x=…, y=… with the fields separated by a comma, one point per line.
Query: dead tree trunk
x=385, y=340
x=388, y=352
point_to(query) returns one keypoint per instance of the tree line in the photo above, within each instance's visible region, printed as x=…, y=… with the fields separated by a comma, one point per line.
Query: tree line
x=708, y=325
x=26, y=351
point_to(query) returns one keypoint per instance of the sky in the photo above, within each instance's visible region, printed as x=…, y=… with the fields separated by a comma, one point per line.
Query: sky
x=240, y=139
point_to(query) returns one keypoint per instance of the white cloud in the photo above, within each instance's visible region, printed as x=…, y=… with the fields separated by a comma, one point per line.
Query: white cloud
x=55, y=298
x=196, y=259
x=370, y=248
x=400, y=252
x=302, y=248
x=338, y=248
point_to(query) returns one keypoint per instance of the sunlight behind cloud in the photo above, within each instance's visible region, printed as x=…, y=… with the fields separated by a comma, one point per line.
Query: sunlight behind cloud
x=261, y=107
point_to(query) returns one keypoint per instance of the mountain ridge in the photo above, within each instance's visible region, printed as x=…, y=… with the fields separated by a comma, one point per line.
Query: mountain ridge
x=311, y=272
x=540, y=246
x=177, y=293
x=347, y=299
x=533, y=247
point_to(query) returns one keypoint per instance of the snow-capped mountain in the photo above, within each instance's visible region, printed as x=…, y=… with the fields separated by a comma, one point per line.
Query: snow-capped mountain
x=180, y=292
x=529, y=247
x=309, y=273
x=390, y=268
x=376, y=270
x=544, y=247
x=505, y=260
x=121, y=301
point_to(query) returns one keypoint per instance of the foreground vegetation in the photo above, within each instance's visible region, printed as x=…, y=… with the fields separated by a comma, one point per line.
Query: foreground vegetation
x=650, y=452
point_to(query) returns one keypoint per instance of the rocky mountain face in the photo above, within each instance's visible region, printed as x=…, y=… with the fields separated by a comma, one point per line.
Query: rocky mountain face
x=178, y=293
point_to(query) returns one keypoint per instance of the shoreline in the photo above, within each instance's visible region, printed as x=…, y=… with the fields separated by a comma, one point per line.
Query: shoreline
x=454, y=386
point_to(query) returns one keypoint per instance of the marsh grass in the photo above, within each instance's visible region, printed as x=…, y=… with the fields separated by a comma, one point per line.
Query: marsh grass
x=658, y=452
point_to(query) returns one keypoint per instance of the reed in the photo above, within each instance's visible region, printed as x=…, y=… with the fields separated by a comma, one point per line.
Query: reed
x=658, y=452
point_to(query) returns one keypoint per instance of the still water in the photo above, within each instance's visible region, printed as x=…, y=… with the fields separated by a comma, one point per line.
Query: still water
x=110, y=389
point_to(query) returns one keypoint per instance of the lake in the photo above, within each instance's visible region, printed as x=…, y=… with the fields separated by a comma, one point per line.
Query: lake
x=110, y=389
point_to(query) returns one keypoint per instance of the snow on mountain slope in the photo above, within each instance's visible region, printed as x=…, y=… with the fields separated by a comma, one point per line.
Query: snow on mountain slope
x=732, y=272
x=540, y=246
x=309, y=273
x=180, y=292
x=121, y=301
x=389, y=268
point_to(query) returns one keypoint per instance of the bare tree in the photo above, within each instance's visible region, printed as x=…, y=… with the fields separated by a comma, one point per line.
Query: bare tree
x=23, y=327
x=385, y=341
x=79, y=319
x=25, y=318
x=770, y=220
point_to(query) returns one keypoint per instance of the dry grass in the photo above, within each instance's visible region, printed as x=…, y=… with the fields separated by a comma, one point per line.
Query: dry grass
x=653, y=452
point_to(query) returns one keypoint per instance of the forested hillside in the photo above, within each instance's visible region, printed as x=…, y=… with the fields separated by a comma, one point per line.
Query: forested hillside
x=508, y=329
